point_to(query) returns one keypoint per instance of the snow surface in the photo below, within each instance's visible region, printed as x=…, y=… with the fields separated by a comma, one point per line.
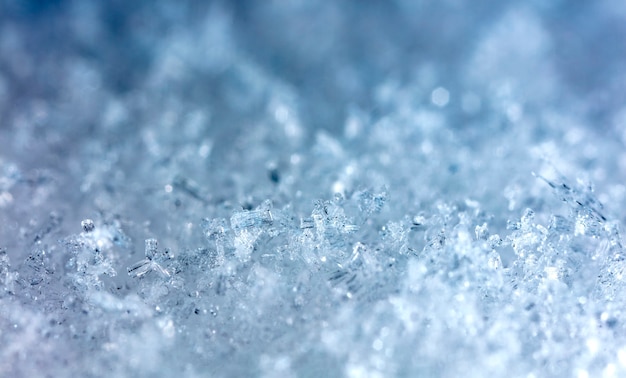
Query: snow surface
x=312, y=188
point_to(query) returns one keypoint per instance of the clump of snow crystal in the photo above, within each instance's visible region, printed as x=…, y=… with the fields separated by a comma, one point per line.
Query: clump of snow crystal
x=312, y=188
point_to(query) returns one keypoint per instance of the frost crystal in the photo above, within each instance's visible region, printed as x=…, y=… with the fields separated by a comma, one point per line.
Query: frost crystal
x=339, y=188
x=252, y=218
x=154, y=261
x=8, y=278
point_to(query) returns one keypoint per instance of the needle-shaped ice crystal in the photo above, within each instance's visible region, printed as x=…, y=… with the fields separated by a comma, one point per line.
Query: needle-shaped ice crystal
x=152, y=262
x=252, y=218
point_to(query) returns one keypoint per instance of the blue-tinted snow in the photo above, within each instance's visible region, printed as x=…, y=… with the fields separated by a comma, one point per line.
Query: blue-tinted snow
x=312, y=188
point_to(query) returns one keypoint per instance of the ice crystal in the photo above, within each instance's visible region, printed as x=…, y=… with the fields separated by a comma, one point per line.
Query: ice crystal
x=154, y=261
x=312, y=188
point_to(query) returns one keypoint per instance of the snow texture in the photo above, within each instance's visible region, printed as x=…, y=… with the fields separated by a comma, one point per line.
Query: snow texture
x=400, y=188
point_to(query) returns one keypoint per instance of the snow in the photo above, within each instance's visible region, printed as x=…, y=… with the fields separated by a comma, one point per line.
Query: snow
x=312, y=188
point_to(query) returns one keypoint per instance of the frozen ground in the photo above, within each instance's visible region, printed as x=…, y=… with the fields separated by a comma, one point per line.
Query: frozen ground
x=312, y=188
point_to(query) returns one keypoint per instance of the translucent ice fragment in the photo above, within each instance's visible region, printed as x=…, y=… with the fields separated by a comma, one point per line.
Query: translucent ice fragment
x=357, y=251
x=579, y=197
x=252, y=218
x=418, y=222
x=494, y=241
x=152, y=262
x=4, y=259
x=7, y=277
x=436, y=242
x=560, y=225
x=482, y=232
x=244, y=242
x=214, y=228
x=140, y=268
x=151, y=248
x=528, y=217
x=349, y=228
x=306, y=223
x=371, y=203
x=512, y=225
x=494, y=261
x=329, y=218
